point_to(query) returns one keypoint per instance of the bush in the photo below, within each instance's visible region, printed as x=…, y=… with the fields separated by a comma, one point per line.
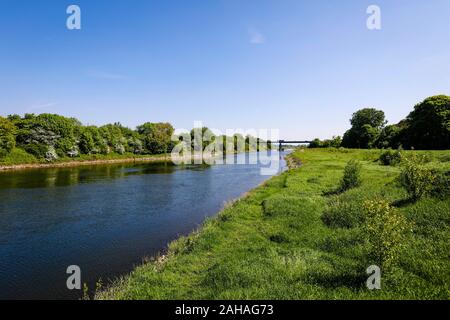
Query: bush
x=385, y=230
x=37, y=150
x=390, y=157
x=7, y=136
x=441, y=186
x=352, y=176
x=17, y=156
x=51, y=154
x=415, y=177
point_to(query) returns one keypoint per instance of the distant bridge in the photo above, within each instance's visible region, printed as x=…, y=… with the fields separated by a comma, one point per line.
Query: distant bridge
x=281, y=142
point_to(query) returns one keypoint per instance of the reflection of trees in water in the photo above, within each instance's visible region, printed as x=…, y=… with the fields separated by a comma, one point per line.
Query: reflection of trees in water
x=59, y=177
x=50, y=177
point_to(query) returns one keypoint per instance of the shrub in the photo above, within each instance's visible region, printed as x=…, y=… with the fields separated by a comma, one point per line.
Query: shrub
x=441, y=186
x=51, y=154
x=385, y=230
x=415, y=177
x=390, y=157
x=18, y=156
x=352, y=176
x=7, y=136
x=38, y=150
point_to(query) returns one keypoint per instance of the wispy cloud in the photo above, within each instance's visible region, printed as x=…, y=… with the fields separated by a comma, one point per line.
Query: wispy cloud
x=45, y=105
x=256, y=37
x=40, y=106
x=104, y=75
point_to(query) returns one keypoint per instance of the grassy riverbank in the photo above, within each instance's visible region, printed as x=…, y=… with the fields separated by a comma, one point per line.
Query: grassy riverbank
x=274, y=243
x=19, y=159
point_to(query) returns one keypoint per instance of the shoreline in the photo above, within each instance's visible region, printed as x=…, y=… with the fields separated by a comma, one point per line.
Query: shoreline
x=76, y=163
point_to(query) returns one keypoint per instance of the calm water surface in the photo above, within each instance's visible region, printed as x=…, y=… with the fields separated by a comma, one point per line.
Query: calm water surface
x=103, y=218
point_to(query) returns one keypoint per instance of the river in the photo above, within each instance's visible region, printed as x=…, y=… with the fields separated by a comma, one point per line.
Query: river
x=105, y=218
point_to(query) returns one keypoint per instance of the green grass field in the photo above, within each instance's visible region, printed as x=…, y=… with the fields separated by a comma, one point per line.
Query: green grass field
x=274, y=244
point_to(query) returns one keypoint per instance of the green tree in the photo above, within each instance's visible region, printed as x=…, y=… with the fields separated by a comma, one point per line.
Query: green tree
x=334, y=142
x=115, y=140
x=369, y=136
x=391, y=136
x=367, y=125
x=49, y=130
x=203, y=134
x=316, y=143
x=429, y=124
x=87, y=143
x=7, y=135
x=157, y=137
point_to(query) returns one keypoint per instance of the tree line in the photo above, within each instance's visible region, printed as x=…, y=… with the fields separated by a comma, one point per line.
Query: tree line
x=427, y=127
x=51, y=136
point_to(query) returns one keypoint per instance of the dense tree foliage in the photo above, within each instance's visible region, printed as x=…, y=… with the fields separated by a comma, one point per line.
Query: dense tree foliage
x=7, y=135
x=226, y=144
x=367, y=125
x=335, y=142
x=47, y=134
x=50, y=137
x=426, y=127
x=391, y=136
x=156, y=137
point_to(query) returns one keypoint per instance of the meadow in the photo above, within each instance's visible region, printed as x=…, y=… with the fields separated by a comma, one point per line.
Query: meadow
x=302, y=236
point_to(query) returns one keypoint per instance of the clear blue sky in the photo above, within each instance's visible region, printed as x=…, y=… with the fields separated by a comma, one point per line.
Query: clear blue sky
x=301, y=66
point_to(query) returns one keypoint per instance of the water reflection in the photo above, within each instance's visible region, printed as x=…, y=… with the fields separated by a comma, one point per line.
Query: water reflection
x=59, y=177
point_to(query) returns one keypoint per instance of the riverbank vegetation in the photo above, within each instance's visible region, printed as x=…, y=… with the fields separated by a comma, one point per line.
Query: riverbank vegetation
x=427, y=127
x=51, y=138
x=312, y=232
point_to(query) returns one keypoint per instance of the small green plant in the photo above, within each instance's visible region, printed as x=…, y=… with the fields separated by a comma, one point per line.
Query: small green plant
x=352, y=176
x=99, y=285
x=441, y=186
x=384, y=231
x=390, y=157
x=415, y=177
x=86, y=295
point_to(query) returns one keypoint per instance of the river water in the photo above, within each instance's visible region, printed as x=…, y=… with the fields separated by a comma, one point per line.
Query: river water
x=105, y=218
